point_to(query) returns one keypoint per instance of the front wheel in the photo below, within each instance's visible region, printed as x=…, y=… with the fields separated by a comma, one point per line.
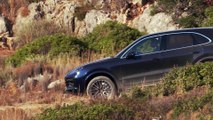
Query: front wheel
x=101, y=87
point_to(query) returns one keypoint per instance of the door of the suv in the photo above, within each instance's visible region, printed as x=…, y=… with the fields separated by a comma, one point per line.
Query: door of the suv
x=145, y=64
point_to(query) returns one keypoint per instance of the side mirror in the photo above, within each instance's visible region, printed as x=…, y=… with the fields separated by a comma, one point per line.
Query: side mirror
x=130, y=55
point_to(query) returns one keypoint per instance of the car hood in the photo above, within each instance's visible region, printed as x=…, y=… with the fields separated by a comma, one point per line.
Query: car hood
x=104, y=60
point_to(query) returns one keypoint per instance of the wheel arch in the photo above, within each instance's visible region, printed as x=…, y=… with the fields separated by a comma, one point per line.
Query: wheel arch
x=205, y=59
x=101, y=73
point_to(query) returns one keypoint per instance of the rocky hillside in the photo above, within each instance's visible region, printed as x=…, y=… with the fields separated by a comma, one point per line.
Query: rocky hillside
x=80, y=17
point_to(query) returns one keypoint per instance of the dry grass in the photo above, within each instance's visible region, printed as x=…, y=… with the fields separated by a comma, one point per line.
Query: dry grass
x=5, y=75
x=19, y=92
x=25, y=11
x=64, y=63
x=36, y=29
x=32, y=79
x=13, y=114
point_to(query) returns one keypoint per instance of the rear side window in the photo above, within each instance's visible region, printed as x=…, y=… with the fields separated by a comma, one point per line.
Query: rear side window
x=198, y=39
x=178, y=41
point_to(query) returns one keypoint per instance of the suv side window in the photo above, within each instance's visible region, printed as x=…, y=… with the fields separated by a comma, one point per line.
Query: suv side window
x=178, y=41
x=147, y=46
x=199, y=39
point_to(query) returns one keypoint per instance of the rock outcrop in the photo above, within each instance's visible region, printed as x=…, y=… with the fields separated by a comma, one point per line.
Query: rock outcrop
x=63, y=14
x=151, y=24
x=95, y=17
x=6, y=42
x=3, y=27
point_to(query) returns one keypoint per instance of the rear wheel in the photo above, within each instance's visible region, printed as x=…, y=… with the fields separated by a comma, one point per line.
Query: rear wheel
x=101, y=87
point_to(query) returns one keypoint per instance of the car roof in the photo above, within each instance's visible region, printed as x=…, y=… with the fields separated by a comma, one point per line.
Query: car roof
x=202, y=30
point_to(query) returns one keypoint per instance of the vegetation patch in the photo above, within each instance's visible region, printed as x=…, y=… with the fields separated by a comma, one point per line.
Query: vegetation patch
x=194, y=104
x=181, y=80
x=36, y=29
x=51, y=46
x=188, y=13
x=5, y=76
x=106, y=39
x=80, y=111
x=111, y=37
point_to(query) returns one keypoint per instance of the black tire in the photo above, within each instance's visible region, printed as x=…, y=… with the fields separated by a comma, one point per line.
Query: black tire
x=101, y=87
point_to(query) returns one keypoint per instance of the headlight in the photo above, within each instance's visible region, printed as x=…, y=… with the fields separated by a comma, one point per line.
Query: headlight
x=75, y=72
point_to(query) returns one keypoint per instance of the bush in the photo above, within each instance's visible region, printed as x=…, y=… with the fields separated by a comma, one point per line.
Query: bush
x=193, y=10
x=188, y=22
x=193, y=104
x=138, y=93
x=88, y=112
x=181, y=80
x=51, y=46
x=111, y=37
x=209, y=17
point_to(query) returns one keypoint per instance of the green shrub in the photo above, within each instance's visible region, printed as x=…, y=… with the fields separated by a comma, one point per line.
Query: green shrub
x=88, y=112
x=188, y=22
x=111, y=37
x=193, y=104
x=138, y=93
x=181, y=80
x=209, y=17
x=51, y=46
x=193, y=9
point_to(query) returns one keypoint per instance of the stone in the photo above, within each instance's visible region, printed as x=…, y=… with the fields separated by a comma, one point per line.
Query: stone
x=95, y=17
x=3, y=27
x=184, y=14
x=54, y=84
x=152, y=24
x=62, y=14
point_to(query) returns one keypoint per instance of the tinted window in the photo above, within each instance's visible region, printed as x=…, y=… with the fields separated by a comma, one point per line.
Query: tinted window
x=147, y=46
x=178, y=40
x=199, y=39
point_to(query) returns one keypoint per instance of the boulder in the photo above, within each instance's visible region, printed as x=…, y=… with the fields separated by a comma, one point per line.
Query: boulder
x=98, y=3
x=54, y=84
x=60, y=12
x=6, y=42
x=95, y=17
x=151, y=24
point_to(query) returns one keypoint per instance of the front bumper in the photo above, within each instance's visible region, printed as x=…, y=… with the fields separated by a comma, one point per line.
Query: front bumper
x=70, y=86
x=74, y=85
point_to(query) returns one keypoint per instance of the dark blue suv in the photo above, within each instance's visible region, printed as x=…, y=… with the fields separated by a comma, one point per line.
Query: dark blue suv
x=145, y=61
